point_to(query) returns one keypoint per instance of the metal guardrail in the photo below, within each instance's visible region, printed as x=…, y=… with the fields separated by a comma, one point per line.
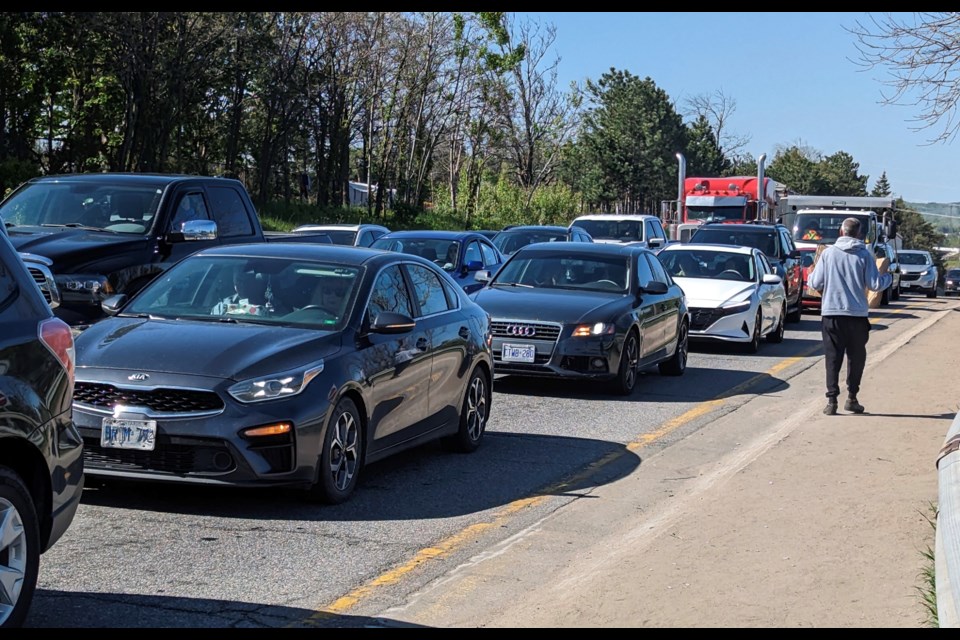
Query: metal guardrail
x=947, y=545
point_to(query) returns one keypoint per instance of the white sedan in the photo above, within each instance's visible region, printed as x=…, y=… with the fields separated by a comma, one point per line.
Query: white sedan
x=733, y=293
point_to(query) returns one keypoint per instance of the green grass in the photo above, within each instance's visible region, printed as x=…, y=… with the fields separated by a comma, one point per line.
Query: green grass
x=927, y=589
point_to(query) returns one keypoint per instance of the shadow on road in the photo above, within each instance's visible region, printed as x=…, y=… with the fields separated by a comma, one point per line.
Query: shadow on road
x=67, y=609
x=423, y=483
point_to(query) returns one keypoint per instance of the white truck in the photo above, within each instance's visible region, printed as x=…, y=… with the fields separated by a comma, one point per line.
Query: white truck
x=816, y=220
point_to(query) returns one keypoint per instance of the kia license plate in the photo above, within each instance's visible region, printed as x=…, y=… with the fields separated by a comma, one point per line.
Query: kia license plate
x=120, y=433
x=518, y=352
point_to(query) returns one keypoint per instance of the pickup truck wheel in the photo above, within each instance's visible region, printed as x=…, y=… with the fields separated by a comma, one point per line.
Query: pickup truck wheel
x=19, y=549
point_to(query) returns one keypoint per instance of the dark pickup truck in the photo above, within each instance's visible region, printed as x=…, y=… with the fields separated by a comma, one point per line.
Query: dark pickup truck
x=87, y=236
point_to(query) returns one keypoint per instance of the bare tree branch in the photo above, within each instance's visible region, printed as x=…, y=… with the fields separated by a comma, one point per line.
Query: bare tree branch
x=920, y=61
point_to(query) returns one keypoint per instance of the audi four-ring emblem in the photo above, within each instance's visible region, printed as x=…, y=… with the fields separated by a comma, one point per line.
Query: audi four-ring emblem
x=521, y=330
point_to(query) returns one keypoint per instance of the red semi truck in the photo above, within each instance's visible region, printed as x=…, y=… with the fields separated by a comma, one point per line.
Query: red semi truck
x=720, y=199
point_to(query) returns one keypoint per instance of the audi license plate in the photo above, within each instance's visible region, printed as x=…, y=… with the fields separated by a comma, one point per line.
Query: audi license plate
x=518, y=352
x=119, y=433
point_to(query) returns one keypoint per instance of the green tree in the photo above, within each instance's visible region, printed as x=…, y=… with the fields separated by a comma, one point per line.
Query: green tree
x=703, y=154
x=794, y=168
x=881, y=187
x=630, y=137
x=840, y=175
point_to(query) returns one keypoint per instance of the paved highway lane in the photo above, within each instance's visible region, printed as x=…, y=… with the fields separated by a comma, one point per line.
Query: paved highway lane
x=148, y=555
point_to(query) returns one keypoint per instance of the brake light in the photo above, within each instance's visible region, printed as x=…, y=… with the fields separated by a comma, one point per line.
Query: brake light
x=55, y=334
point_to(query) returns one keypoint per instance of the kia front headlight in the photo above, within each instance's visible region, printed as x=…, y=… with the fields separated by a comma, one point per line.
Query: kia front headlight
x=281, y=385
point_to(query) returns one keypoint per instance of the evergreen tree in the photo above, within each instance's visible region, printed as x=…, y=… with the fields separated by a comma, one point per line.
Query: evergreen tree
x=704, y=156
x=840, y=175
x=630, y=138
x=881, y=188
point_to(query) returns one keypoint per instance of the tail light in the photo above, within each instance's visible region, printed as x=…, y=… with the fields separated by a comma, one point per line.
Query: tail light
x=55, y=334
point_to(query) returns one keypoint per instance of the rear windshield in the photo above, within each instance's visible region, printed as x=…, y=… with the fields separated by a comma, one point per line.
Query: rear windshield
x=766, y=241
x=914, y=258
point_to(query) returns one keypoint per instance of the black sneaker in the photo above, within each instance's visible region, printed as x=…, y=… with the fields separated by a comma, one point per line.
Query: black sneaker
x=853, y=406
x=830, y=409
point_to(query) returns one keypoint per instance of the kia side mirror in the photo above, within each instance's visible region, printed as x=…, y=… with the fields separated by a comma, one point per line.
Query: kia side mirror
x=112, y=305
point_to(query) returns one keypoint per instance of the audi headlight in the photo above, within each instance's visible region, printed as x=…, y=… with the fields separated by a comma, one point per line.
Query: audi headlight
x=282, y=385
x=596, y=329
x=736, y=307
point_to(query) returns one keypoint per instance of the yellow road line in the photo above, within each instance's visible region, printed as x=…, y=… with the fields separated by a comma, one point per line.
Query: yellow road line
x=461, y=538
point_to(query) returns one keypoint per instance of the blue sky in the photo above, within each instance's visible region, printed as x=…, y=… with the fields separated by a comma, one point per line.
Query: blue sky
x=792, y=76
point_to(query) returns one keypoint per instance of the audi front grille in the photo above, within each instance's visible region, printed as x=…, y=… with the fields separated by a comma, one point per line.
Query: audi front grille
x=518, y=330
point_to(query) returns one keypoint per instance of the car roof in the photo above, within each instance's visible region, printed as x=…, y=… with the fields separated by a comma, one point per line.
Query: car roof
x=914, y=251
x=743, y=226
x=433, y=234
x=300, y=251
x=537, y=227
x=707, y=246
x=616, y=216
x=138, y=178
x=334, y=226
x=584, y=248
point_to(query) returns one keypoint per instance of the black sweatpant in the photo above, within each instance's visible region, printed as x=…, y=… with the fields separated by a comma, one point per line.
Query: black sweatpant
x=844, y=335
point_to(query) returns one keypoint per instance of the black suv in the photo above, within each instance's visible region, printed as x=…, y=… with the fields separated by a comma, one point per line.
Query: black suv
x=41, y=461
x=775, y=242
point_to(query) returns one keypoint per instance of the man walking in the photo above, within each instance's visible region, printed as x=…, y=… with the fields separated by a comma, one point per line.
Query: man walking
x=842, y=275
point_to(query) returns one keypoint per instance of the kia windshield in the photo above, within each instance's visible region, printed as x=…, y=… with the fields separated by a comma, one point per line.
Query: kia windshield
x=231, y=289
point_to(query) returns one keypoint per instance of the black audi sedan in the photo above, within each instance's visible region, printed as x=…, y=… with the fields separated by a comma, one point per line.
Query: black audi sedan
x=280, y=364
x=585, y=310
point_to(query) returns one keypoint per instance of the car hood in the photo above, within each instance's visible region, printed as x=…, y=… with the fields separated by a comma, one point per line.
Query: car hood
x=213, y=349
x=549, y=305
x=62, y=244
x=914, y=268
x=706, y=292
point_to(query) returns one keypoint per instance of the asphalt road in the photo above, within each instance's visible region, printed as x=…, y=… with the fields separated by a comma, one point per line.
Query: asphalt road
x=147, y=555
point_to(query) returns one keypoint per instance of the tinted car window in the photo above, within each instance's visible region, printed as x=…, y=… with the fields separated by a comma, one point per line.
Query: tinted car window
x=428, y=290
x=473, y=253
x=656, y=269
x=489, y=255
x=766, y=241
x=190, y=207
x=229, y=212
x=390, y=294
x=644, y=273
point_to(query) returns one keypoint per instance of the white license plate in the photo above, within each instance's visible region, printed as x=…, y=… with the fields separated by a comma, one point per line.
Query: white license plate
x=119, y=433
x=518, y=353
x=905, y=285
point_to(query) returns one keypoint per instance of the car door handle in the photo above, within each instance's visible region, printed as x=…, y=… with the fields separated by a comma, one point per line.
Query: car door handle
x=422, y=344
x=464, y=333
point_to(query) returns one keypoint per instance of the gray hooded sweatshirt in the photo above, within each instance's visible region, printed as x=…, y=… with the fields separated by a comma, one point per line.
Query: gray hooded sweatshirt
x=843, y=273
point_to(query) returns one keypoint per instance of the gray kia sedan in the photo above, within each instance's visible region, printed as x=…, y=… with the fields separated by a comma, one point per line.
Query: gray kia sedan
x=282, y=364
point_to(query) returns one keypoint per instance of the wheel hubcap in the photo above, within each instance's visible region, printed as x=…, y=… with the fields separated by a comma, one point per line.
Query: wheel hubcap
x=13, y=557
x=631, y=354
x=476, y=408
x=344, y=453
x=682, y=347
